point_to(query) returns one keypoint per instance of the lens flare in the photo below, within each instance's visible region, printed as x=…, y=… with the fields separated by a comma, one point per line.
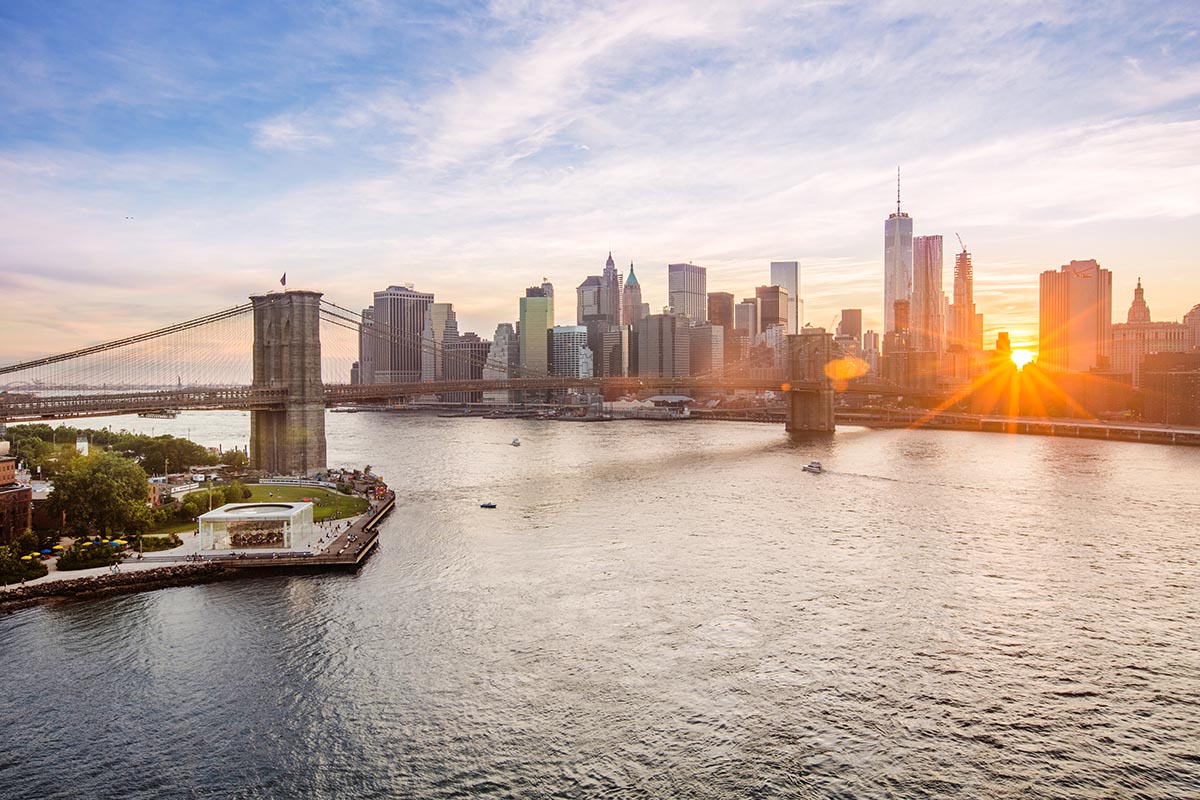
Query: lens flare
x=1021, y=358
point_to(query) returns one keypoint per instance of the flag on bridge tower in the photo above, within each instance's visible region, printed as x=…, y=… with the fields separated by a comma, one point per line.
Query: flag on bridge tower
x=283, y=280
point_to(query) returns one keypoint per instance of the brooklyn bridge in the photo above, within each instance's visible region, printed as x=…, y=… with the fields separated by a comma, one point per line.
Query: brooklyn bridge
x=283, y=358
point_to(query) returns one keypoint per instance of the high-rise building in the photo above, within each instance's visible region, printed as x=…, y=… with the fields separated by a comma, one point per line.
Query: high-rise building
x=747, y=317
x=503, y=361
x=897, y=261
x=687, y=291
x=1191, y=321
x=966, y=326
x=570, y=356
x=664, y=350
x=611, y=284
x=444, y=326
x=870, y=350
x=1075, y=318
x=587, y=297
x=786, y=274
x=850, y=323
x=400, y=323
x=613, y=358
x=537, y=318
x=632, y=307
x=1139, y=337
x=720, y=309
x=927, y=302
x=464, y=359
x=706, y=343
x=772, y=306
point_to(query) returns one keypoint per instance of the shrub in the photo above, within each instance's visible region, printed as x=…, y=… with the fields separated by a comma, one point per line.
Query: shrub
x=80, y=556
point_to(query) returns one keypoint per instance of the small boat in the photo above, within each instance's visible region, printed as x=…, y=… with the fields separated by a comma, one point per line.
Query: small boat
x=487, y=505
x=516, y=442
x=814, y=467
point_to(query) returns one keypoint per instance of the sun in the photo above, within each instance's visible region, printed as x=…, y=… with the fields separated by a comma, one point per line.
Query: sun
x=1021, y=358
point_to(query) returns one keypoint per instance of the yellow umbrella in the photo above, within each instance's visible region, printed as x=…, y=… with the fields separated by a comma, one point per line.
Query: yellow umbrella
x=86, y=544
x=26, y=558
x=57, y=547
x=120, y=541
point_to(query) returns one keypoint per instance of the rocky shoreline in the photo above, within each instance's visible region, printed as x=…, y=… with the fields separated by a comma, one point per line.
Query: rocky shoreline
x=19, y=597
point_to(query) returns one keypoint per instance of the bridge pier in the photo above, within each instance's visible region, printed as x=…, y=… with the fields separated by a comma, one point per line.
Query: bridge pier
x=287, y=355
x=809, y=410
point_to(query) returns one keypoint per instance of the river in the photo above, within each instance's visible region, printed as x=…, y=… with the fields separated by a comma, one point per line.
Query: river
x=657, y=610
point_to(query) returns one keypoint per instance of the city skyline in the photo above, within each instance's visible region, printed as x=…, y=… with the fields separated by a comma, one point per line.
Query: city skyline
x=151, y=172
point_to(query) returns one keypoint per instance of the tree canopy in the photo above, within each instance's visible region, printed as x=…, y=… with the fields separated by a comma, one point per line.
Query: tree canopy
x=52, y=449
x=102, y=493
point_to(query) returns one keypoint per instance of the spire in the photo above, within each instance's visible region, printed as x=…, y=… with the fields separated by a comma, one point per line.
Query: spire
x=609, y=264
x=897, y=190
x=1138, y=310
x=632, y=279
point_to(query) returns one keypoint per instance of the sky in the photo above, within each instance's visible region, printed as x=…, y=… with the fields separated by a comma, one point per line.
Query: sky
x=160, y=160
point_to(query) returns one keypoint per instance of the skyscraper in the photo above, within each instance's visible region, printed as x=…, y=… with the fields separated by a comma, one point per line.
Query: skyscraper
x=1075, y=318
x=706, y=344
x=663, y=347
x=1139, y=337
x=925, y=322
x=897, y=261
x=851, y=324
x=570, y=355
x=746, y=317
x=463, y=359
x=966, y=327
x=720, y=309
x=610, y=293
x=503, y=361
x=537, y=318
x=367, y=347
x=444, y=326
x=632, y=307
x=687, y=291
x=587, y=300
x=786, y=274
x=773, y=305
x=400, y=321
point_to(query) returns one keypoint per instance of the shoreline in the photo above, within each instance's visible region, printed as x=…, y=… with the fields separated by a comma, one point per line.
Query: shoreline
x=15, y=598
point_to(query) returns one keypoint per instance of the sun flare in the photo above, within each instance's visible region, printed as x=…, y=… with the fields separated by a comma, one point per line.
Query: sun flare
x=1021, y=358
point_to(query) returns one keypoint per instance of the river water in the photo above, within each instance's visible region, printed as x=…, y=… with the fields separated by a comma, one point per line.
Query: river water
x=657, y=610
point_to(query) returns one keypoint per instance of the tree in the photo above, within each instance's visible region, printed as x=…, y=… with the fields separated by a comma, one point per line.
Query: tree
x=234, y=458
x=103, y=493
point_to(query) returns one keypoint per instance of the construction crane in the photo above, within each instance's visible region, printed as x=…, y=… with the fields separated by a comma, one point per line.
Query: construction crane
x=960, y=243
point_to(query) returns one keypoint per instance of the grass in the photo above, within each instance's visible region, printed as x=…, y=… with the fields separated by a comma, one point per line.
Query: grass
x=326, y=504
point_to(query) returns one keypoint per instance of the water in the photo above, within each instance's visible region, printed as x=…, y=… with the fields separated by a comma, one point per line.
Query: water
x=658, y=610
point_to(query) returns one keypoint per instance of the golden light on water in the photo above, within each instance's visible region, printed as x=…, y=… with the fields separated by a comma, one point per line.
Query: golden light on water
x=1021, y=357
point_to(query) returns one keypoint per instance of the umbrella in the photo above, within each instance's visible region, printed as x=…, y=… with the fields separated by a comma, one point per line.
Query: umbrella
x=46, y=552
x=26, y=558
x=119, y=541
x=57, y=547
x=85, y=544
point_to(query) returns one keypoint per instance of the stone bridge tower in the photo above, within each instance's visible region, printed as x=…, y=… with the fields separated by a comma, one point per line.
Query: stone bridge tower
x=810, y=401
x=287, y=355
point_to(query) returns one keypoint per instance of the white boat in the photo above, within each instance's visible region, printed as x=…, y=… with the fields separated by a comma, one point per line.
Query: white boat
x=814, y=467
x=516, y=442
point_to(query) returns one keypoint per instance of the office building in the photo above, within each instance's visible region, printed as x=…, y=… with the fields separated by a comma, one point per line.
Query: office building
x=587, y=300
x=613, y=357
x=444, y=330
x=1139, y=337
x=746, y=317
x=464, y=359
x=927, y=301
x=663, y=346
x=706, y=343
x=632, y=307
x=503, y=362
x=611, y=284
x=537, y=318
x=1171, y=385
x=897, y=261
x=1075, y=318
x=570, y=354
x=786, y=274
x=687, y=291
x=367, y=348
x=870, y=350
x=850, y=323
x=772, y=307
x=400, y=324
x=720, y=310
x=966, y=326
x=1191, y=321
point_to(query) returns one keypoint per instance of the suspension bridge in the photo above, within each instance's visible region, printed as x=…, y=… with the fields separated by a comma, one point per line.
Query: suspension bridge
x=285, y=357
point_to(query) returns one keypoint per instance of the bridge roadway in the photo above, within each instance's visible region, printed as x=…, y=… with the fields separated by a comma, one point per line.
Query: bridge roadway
x=28, y=408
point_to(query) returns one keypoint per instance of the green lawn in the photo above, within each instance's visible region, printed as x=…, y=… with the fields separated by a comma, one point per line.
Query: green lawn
x=326, y=504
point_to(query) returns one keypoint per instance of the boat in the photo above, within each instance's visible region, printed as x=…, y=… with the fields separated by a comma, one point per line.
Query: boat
x=814, y=467
x=166, y=413
x=487, y=505
x=516, y=442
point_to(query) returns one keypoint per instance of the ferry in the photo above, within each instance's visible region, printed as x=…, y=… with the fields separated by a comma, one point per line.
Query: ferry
x=487, y=505
x=814, y=467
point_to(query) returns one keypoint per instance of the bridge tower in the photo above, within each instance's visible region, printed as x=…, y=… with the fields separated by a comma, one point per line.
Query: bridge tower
x=287, y=355
x=810, y=401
